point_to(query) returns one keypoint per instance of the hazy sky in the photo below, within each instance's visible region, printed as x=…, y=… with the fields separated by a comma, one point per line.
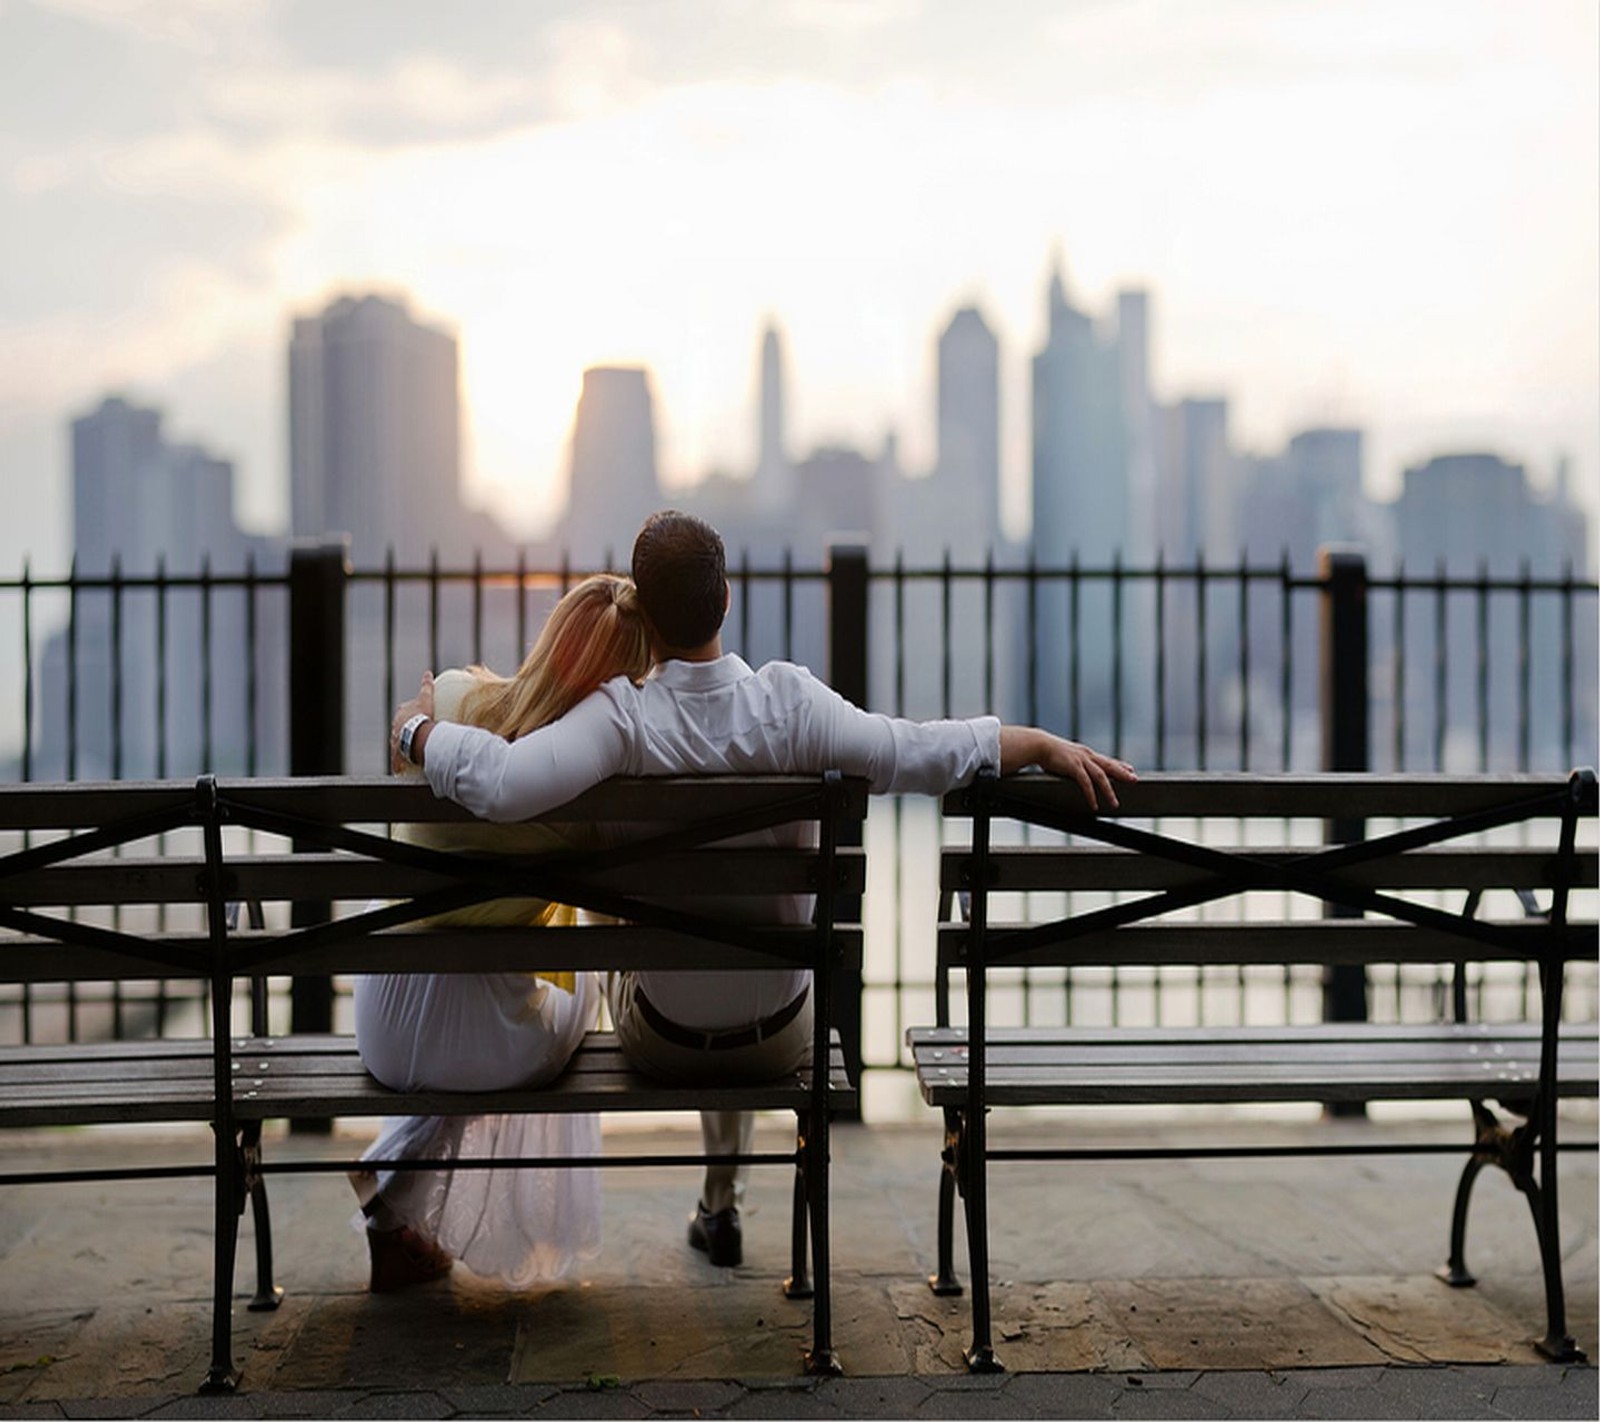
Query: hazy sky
x=1382, y=213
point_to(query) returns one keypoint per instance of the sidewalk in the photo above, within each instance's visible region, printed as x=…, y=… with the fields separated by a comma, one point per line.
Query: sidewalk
x=1216, y=1289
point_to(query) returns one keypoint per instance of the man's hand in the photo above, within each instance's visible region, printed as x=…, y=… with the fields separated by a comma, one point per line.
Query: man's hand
x=421, y=702
x=1095, y=773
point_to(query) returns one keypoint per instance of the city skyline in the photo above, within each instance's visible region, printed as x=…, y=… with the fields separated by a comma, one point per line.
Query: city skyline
x=1380, y=216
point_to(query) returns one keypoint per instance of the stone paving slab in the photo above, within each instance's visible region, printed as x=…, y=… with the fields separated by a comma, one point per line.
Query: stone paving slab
x=1253, y=1290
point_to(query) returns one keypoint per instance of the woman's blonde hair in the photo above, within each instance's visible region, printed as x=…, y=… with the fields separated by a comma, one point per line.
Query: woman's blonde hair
x=594, y=633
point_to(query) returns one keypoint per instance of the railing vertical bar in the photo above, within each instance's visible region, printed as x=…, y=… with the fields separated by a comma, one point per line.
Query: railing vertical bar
x=1074, y=648
x=207, y=747
x=477, y=606
x=1201, y=659
x=946, y=584
x=1286, y=696
x=1441, y=665
x=1525, y=668
x=389, y=632
x=116, y=758
x=1399, y=663
x=1568, y=658
x=1161, y=662
x=788, y=604
x=1244, y=676
x=1483, y=663
x=116, y=666
x=522, y=604
x=27, y=670
x=27, y=747
x=988, y=631
x=163, y=997
x=72, y=670
x=1032, y=658
x=744, y=604
x=252, y=637
x=899, y=803
x=1286, y=661
x=433, y=607
x=1116, y=651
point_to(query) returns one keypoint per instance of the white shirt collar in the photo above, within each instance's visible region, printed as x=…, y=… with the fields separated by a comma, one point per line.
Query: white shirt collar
x=701, y=676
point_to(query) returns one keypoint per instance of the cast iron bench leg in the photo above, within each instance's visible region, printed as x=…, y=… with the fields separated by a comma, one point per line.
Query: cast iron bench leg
x=821, y=1361
x=268, y=1295
x=798, y=1284
x=981, y=1356
x=945, y=1284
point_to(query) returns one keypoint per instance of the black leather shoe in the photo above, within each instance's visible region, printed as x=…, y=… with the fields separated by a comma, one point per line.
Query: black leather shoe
x=717, y=1236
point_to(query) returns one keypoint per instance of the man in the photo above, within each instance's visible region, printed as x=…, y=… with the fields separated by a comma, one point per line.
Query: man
x=703, y=711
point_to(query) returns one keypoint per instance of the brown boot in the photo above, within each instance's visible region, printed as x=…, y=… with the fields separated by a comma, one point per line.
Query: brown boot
x=402, y=1257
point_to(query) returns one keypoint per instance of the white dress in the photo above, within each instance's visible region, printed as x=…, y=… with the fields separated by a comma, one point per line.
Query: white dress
x=471, y=1032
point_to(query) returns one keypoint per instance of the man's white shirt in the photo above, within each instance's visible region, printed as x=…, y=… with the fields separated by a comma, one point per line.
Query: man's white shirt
x=706, y=718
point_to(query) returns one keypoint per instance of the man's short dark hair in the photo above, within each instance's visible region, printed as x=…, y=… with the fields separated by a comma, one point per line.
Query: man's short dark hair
x=681, y=571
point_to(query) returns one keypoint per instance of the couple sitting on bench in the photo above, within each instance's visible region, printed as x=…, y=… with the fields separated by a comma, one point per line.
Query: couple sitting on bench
x=627, y=678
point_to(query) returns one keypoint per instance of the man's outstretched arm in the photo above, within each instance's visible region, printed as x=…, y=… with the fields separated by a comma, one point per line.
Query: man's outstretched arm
x=1096, y=774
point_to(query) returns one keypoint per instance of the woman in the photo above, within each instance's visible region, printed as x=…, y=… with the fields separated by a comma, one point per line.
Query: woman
x=476, y=1032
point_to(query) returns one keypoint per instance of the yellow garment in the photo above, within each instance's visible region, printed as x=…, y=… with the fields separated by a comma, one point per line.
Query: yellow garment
x=449, y=691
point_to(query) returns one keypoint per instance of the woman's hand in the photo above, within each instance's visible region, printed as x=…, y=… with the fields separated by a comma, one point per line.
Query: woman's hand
x=421, y=703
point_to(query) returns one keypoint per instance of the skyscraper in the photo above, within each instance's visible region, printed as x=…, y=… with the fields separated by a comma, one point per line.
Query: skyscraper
x=375, y=430
x=1079, y=447
x=967, y=488
x=156, y=676
x=774, y=476
x=613, y=483
x=1080, y=510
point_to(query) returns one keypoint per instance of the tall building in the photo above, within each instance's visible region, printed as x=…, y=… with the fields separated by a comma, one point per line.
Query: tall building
x=1472, y=513
x=156, y=680
x=1080, y=511
x=1138, y=421
x=375, y=431
x=774, y=474
x=612, y=482
x=967, y=474
x=1197, y=484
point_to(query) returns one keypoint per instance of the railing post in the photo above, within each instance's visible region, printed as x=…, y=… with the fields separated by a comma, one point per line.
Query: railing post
x=318, y=572
x=847, y=674
x=1345, y=711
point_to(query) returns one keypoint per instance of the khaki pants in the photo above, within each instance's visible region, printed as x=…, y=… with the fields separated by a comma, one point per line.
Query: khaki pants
x=724, y=1132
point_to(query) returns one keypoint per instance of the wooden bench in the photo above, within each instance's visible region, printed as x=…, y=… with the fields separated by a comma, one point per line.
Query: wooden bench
x=1182, y=842
x=122, y=883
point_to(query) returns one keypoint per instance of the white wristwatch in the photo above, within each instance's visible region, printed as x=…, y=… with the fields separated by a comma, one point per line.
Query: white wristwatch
x=408, y=734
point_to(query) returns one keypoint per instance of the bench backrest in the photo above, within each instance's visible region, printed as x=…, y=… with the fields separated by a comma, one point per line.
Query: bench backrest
x=1403, y=877
x=99, y=854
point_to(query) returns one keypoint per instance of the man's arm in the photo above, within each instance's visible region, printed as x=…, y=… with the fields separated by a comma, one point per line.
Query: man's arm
x=505, y=780
x=1022, y=746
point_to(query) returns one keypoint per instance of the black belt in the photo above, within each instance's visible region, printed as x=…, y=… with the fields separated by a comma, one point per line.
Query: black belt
x=681, y=1036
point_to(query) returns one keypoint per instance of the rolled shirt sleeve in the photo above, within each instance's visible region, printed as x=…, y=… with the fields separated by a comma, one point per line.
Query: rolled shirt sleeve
x=505, y=781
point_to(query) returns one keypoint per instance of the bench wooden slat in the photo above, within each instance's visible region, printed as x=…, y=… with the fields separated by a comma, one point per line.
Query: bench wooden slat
x=1040, y=868
x=720, y=872
x=89, y=804
x=1332, y=796
x=591, y=947
x=1282, y=1032
x=1278, y=942
x=365, y=800
x=1181, y=1053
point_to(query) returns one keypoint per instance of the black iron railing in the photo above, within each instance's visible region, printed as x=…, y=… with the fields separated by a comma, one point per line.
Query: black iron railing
x=1175, y=666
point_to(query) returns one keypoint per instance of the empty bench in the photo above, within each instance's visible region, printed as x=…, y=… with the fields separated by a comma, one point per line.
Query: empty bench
x=126, y=883
x=1465, y=871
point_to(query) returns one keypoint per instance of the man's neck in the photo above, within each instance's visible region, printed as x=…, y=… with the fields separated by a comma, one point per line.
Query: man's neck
x=710, y=652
